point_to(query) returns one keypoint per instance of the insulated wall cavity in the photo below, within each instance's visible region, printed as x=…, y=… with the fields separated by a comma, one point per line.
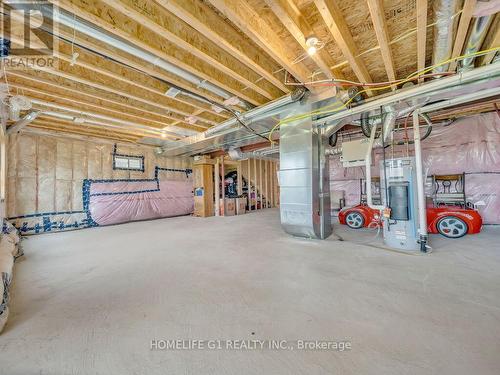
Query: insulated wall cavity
x=47, y=176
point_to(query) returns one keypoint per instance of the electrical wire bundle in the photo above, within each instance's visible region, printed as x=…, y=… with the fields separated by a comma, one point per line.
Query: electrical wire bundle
x=335, y=107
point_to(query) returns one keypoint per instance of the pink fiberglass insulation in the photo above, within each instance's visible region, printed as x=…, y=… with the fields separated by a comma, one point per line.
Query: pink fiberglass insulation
x=124, y=201
x=470, y=145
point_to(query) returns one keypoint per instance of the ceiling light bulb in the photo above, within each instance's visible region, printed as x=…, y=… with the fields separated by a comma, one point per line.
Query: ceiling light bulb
x=311, y=43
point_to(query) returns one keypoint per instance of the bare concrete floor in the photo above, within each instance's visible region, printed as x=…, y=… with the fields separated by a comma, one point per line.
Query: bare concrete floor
x=91, y=301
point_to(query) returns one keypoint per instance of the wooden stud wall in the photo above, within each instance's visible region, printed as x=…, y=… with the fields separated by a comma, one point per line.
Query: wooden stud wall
x=263, y=180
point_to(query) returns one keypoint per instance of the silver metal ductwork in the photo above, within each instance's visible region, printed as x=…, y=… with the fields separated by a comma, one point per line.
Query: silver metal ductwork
x=231, y=133
x=22, y=123
x=86, y=28
x=479, y=29
x=304, y=177
x=444, y=32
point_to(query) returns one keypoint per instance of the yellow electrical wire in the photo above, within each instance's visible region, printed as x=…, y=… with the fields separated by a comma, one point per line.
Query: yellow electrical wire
x=326, y=110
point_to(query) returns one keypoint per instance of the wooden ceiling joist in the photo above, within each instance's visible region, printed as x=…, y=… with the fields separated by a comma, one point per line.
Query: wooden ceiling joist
x=492, y=41
x=241, y=14
x=379, y=24
x=105, y=126
x=120, y=25
x=84, y=106
x=146, y=68
x=188, y=39
x=129, y=74
x=332, y=16
x=99, y=99
x=50, y=124
x=78, y=73
x=463, y=26
x=207, y=22
x=127, y=68
x=46, y=108
x=79, y=69
x=421, y=34
x=297, y=25
x=52, y=121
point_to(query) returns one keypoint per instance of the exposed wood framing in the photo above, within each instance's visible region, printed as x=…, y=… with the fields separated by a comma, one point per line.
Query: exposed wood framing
x=107, y=102
x=206, y=21
x=217, y=186
x=128, y=72
x=421, y=34
x=122, y=115
x=378, y=19
x=46, y=107
x=256, y=185
x=249, y=185
x=188, y=39
x=492, y=42
x=297, y=25
x=340, y=32
x=463, y=26
x=167, y=112
x=49, y=125
x=148, y=69
x=111, y=21
x=248, y=20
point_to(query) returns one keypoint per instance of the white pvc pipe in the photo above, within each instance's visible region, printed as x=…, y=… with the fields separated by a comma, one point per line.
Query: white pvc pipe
x=422, y=211
x=481, y=94
x=368, y=162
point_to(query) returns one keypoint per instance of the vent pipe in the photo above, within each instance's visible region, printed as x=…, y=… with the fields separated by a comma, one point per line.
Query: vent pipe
x=83, y=27
x=267, y=110
x=478, y=32
x=21, y=124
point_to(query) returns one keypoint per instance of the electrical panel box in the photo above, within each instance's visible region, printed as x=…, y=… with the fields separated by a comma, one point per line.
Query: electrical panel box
x=354, y=153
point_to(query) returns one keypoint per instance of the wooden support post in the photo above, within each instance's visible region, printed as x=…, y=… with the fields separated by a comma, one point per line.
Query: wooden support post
x=204, y=190
x=249, y=185
x=255, y=180
x=239, y=171
x=223, y=185
x=271, y=187
x=260, y=186
x=217, y=187
x=266, y=174
x=276, y=186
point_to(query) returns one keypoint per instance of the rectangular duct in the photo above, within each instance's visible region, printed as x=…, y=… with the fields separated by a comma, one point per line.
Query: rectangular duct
x=304, y=178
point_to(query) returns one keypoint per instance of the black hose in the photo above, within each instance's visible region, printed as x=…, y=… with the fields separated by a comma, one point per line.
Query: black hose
x=332, y=140
x=365, y=125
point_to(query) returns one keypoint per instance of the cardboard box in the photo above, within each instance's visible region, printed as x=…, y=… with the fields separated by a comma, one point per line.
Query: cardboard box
x=228, y=207
x=241, y=204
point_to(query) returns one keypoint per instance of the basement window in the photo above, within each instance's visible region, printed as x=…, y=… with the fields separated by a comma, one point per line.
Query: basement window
x=128, y=162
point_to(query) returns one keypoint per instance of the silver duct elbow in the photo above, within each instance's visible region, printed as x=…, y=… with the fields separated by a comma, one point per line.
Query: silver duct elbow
x=389, y=122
